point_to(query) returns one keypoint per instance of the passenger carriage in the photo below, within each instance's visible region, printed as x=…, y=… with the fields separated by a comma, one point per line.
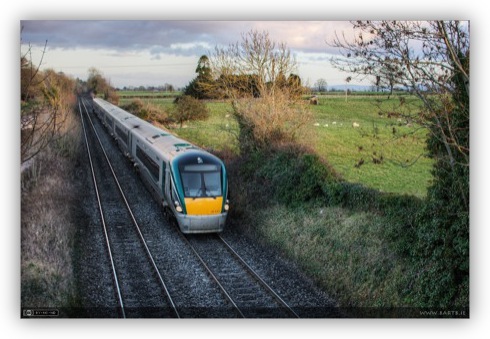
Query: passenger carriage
x=191, y=182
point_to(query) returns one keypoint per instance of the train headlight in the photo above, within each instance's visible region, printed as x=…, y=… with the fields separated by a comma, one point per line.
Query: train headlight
x=178, y=208
x=227, y=205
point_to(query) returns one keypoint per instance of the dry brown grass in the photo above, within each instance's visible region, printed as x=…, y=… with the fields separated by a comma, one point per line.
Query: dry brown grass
x=47, y=229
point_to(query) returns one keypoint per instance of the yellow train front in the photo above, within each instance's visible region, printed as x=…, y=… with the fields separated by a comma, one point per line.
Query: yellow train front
x=198, y=191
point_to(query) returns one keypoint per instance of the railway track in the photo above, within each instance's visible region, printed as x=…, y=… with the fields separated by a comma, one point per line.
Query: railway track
x=204, y=274
x=247, y=293
x=242, y=286
x=140, y=290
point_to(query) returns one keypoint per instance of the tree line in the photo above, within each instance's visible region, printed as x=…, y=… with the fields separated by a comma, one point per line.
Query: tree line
x=46, y=100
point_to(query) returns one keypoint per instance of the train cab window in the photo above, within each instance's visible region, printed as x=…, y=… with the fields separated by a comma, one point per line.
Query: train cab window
x=201, y=181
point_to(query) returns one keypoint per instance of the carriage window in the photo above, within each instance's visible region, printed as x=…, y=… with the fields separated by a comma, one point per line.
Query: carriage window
x=122, y=135
x=149, y=163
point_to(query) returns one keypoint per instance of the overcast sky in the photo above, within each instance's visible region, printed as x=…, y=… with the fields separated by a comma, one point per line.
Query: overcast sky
x=133, y=53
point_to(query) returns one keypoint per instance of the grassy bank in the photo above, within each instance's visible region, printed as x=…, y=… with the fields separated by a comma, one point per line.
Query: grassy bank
x=47, y=229
x=352, y=240
x=345, y=251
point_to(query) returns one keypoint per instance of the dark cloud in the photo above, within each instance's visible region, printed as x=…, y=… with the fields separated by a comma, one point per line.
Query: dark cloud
x=160, y=36
x=166, y=36
x=118, y=46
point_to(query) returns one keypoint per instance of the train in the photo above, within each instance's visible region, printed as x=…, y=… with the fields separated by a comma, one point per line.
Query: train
x=186, y=180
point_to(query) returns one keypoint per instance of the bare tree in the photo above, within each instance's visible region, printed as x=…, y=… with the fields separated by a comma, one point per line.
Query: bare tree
x=432, y=59
x=29, y=73
x=42, y=119
x=347, y=81
x=321, y=85
x=45, y=100
x=424, y=57
x=257, y=74
x=100, y=85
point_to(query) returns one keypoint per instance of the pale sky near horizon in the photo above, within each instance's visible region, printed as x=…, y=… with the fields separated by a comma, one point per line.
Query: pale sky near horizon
x=134, y=53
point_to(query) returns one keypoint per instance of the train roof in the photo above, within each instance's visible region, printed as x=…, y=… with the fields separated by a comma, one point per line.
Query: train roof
x=157, y=138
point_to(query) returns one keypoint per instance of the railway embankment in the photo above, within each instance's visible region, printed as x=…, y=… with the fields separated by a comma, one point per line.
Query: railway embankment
x=48, y=226
x=353, y=241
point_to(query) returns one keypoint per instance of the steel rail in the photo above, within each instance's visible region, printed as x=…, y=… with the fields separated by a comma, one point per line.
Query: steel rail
x=213, y=276
x=109, y=250
x=135, y=223
x=261, y=281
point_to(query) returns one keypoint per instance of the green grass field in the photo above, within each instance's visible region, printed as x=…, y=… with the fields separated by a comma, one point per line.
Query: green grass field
x=138, y=94
x=388, y=151
x=353, y=250
x=404, y=168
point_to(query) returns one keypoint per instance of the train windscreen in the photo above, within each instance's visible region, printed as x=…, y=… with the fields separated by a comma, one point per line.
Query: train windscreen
x=202, y=180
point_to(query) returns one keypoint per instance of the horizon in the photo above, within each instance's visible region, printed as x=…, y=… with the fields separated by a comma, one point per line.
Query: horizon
x=152, y=53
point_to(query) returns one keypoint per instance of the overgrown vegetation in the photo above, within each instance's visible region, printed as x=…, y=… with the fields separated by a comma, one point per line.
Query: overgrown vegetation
x=354, y=241
x=47, y=228
x=147, y=111
x=184, y=109
x=188, y=108
x=380, y=249
x=257, y=76
x=100, y=86
x=46, y=97
x=432, y=59
x=50, y=139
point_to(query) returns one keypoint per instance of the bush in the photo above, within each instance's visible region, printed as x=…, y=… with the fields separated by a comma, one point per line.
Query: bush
x=146, y=111
x=188, y=108
x=269, y=120
x=442, y=249
x=136, y=107
x=291, y=173
x=112, y=97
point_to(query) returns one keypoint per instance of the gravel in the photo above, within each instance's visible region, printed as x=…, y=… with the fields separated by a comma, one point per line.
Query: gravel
x=192, y=291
